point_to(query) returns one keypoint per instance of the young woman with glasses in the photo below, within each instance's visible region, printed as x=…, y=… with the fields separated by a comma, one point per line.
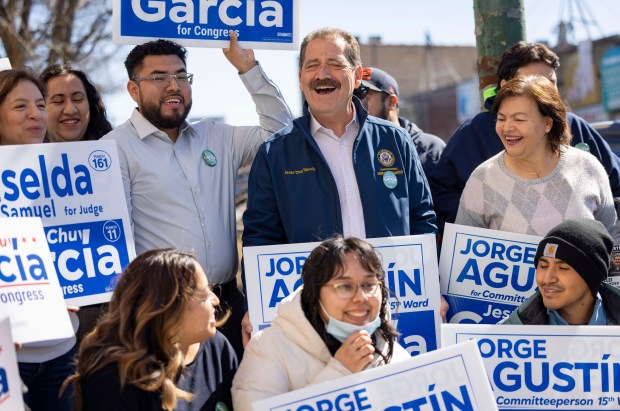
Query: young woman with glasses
x=336, y=324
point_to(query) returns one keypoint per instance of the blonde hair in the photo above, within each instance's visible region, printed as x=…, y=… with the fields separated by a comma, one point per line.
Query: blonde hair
x=140, y=331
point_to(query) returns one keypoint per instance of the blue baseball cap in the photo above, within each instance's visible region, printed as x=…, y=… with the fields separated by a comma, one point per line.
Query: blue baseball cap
x=379, y=80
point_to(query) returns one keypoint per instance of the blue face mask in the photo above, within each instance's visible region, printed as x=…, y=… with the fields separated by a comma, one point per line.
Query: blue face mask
x=341, y=330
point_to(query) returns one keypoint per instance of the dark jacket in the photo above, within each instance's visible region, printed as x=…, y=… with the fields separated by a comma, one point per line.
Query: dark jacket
x=293, y=198
x=475, y=141
x=428, y=146
x=533, y=311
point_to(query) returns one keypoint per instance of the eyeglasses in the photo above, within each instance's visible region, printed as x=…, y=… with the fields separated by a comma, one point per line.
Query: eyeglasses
x=349, y=290
x=163, y=80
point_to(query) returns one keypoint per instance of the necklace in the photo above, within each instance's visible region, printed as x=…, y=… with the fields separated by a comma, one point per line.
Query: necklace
x=534, y=173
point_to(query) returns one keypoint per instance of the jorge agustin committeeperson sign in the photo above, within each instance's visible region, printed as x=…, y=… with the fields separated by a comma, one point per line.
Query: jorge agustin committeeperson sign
x=266, y=24
x=77, y=191
x=485, y=274
x=547, y=367
x=410, y=262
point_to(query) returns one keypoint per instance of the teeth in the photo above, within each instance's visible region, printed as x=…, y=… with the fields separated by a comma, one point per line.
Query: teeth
x=69, y=121
x=357, y=313
x=173, y=101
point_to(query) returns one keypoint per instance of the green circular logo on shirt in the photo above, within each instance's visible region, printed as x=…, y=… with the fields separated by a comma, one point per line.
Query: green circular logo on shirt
x=390, y=180
x=220, y=406
x=209, y=158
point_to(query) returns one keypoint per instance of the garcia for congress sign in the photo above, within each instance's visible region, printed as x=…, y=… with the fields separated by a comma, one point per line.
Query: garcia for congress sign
x=10, y=383
x=267, y=24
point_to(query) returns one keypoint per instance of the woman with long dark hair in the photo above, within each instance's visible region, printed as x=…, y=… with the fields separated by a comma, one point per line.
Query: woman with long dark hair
x=336, y=324
x=157, y=347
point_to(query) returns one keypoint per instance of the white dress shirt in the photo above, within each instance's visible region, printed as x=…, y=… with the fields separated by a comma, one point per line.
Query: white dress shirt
x=176, y=198
x=338, y=151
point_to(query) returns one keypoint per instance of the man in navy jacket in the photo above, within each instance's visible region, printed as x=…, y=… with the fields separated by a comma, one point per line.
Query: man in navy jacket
x=335, y=169
x=476, y=140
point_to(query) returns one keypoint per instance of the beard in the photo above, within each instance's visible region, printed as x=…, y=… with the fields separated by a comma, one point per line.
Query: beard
x=152, y=112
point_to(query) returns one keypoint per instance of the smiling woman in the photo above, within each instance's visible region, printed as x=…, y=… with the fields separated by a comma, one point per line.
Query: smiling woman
x=23, y=118
x=74, y=106
x=538, y=181
x=336, y=325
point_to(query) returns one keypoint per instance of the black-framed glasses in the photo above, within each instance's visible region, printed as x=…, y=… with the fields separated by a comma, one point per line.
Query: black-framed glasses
x=349, y=290
x=361, y=92
x=163, y=80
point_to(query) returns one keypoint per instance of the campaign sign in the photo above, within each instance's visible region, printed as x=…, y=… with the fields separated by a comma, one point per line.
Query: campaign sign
x=77, y=191
x=29, y=290
x=446, y=379
x=410, y=263
x=547, y=367
x=10, y=383
x=485, y=274
x=269, y=24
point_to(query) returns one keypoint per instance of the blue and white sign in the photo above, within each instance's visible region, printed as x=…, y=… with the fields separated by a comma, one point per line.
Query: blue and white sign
x=485, y=274
x=77, y=191
x=266, y=24
x=410, y=264
x=30, y=293
x=446, y=379
x=547, y=367
x=10, y=383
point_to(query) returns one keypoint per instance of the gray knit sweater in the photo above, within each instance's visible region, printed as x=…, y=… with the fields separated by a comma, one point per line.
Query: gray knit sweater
x=578, y=187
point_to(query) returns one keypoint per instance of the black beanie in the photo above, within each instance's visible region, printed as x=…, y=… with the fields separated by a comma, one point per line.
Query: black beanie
x=583, y=244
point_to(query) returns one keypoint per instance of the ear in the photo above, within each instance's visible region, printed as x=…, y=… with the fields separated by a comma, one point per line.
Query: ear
x=548, y=124
x=393, y=101
x=358, y=76
x=132, y=88
x=299, y=78
x=502, y=84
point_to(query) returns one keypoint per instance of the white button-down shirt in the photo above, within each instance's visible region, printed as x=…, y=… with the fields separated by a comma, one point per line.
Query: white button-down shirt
x=177, y=198
x=338, y=151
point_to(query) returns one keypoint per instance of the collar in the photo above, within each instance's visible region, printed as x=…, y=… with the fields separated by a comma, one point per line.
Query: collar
x=316, y=126
x=599, y=317
x=145, y=128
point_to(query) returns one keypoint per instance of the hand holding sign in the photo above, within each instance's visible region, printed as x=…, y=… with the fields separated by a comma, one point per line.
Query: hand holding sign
x=356, y=352
x=242, y=59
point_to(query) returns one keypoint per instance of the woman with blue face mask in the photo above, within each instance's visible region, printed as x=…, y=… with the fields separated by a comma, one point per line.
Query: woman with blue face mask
x=336, y=324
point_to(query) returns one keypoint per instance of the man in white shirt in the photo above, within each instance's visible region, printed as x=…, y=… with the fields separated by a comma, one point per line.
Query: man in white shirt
x=179, y=177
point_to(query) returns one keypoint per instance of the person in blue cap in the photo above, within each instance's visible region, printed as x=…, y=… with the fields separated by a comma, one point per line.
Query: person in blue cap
x=379, y=95
x=572, y=262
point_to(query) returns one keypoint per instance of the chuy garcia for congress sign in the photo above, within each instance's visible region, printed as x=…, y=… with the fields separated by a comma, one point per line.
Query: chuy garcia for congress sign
x=77, y=191
x=485, y=274
x=444, y=380
x=410, y=265
x=547, y=367
x=267, y=24
x=29, y=290
x=10, y=383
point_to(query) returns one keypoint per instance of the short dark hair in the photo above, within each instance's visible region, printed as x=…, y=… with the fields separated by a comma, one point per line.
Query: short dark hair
x=351, y=51
x=521, y=54
x=9, y=79
x=324, y=263
x=98, y=125
x=135, y=58
x=549, y=102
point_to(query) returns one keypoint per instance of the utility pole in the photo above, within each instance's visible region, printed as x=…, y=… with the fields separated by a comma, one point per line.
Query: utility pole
x=499, y=24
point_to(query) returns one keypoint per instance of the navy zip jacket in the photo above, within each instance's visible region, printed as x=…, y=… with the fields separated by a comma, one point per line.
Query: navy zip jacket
x=475, y=141
x=292, y=195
